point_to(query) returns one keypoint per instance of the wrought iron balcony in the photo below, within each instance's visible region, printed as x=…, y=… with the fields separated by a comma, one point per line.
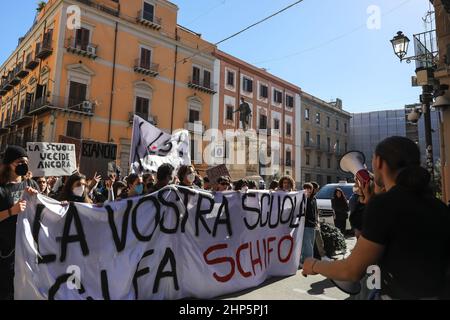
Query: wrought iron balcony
x=21, y=116
x=88, y=50
x=309, y=145
x=149, y=69
x=149, y=20
x=64, y=104
x=202, y=85
x=31, y=61
x=103, y=8
x=22, y=72
x=44, y=49
x=426, y=50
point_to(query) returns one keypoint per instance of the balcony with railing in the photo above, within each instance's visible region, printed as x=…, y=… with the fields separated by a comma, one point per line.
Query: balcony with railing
x=88, y=50
x=21, y=70
x=426, y=49
x=148, y=69
x=149, y=20
x=14, y=80
x=150, y=118
x=101, y=7
x=21, y=116
x=63, y=104
x=31, y=62
x=2, y=90
x=309, y=145
x=44, y=49
x=202, y=85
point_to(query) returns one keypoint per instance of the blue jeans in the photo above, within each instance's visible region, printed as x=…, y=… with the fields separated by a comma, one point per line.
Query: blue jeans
x=309, y=237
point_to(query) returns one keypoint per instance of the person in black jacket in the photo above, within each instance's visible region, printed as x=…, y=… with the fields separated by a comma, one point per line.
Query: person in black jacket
x=311, y=221
x=340, y=208
x=356, y=207
x=12, y=186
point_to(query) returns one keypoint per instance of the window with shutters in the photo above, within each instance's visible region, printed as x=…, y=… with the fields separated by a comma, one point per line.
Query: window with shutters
x=149, y=12
x=146, y=57
x=142, y=107
x=306, y=114
x=77, y=93
x=247, y=85
x=263, y=91
x=196, y=75
x=230, y=78
x=82, y=38
x=48, y=37
x=206, y=79
x=288, y=129
x=262, y=121
x=73, y=129
x=277, y=96
x=288, y=158
x=289, y=101
x=194, y=115
x=276, y=124
x=230, y=113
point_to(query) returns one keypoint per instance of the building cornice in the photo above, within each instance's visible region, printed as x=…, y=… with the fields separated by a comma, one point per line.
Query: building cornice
x=255, y=70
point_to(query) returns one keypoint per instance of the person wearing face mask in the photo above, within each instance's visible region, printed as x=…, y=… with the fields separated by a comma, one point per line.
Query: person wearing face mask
x=135, y=186
x=405, y=229
x=75, y=189
x=12, y=186
x=186, y=175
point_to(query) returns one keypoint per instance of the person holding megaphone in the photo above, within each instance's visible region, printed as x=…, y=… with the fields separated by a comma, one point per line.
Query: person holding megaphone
x=405, y=229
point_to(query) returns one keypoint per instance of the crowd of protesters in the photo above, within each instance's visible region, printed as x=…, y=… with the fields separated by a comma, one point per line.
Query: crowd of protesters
x=403, y=171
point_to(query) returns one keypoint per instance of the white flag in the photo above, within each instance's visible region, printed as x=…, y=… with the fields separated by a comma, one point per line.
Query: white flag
x=151, y=147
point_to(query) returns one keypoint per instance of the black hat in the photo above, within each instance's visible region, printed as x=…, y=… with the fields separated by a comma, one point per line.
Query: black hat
x=13, y=153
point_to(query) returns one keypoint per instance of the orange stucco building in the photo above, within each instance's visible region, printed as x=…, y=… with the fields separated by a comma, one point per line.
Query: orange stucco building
x=87, y=83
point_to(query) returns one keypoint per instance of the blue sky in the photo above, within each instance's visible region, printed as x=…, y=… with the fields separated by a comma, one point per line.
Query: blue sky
x=322, y=46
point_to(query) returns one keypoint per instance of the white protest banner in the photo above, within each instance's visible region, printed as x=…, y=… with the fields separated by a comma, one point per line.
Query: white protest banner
x=51, y=159
x=173, y=244
x=151, y=147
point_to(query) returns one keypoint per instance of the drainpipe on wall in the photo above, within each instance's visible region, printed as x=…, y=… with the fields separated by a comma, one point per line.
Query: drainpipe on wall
x=113, y=81
x=174, y=80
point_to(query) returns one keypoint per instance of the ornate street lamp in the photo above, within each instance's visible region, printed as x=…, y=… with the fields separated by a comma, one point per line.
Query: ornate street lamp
x=400, y=43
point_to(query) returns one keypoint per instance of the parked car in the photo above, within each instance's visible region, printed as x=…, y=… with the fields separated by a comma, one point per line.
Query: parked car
x=324, y=201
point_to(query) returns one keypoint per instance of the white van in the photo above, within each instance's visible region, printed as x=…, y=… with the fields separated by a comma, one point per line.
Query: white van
x=324, y=201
